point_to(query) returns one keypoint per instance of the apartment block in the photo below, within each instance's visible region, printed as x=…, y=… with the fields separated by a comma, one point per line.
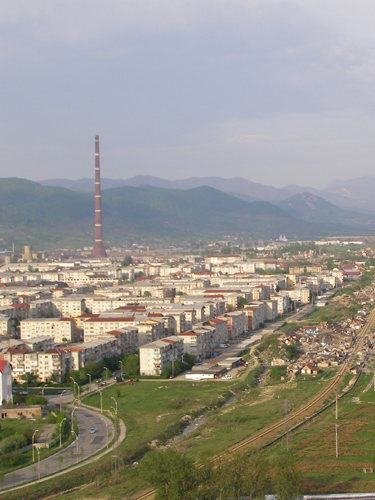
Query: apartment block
x=63, y=330
x=154, y=356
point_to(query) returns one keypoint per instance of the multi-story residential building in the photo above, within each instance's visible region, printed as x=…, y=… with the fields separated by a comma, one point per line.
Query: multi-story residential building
x=53, y=363
x=197, y=343
x=282, y=300
x=256, y=314
x=41, y=308
x=5, y=325
x=155, y=355
x=95, y=326
x=299, y=294
x=127, y=339
x=5, y=382
x=271, y=309
x=237, y=323
x=220, y=334
x=69, y=307
x=39, y=344
x=63, y=330
x=150, y=330
x=80, y=355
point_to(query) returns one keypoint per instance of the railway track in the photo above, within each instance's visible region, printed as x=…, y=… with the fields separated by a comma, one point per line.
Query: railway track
x=297, y=418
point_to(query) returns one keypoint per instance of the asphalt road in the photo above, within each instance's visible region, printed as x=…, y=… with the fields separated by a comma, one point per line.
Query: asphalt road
x=88, y=444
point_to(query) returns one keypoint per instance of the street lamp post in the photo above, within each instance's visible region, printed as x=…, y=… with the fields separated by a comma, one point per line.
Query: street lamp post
x=106, y=374
x=62, y=421
x=106, y=428
x=89, y=381
x=115, y=404
x=73, y=418
x=32, y=442
x=37, y=449
x=74, y=386
x=114, y=410
x=62, y=392
x=101, y=401
x=43, y=389
x=120, y=363
x=77, y=443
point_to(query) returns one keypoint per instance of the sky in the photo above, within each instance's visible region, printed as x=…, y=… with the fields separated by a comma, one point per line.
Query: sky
x=277, y=92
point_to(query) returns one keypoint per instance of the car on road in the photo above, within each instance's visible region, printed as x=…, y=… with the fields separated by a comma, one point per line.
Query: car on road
x=92, y=430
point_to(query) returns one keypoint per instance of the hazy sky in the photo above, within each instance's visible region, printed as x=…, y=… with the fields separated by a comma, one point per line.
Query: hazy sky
x=277, y=92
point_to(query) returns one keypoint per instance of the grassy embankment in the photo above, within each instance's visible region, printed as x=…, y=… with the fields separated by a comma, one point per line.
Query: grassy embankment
x=314, y=445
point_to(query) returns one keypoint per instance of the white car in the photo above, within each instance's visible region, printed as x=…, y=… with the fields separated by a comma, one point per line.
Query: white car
x=92, y=430
x=226, y=377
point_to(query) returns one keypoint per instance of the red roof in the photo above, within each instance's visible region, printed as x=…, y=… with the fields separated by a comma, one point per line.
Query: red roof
x=17, y=351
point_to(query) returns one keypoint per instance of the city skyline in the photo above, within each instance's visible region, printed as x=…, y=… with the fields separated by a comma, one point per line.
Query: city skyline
x=275, y=92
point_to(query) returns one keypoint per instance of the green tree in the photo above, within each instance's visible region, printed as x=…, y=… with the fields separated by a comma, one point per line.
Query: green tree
x=242, y=303
x=225, y=250
x=130, y=365
x=287, y=478
x=257, y=478
x=127, y=261
x=174, y=475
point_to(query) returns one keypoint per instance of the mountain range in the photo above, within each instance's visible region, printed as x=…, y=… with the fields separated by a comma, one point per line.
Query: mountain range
x=355, y=194
x=55, y=217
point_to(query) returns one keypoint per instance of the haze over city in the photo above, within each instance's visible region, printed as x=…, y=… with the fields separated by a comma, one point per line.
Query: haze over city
x=277, y=92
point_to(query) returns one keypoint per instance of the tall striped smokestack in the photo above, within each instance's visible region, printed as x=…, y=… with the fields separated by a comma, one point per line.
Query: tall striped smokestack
x=99, y=250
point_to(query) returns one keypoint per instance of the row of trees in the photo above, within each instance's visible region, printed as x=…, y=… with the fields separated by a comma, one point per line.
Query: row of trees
x=177, y=477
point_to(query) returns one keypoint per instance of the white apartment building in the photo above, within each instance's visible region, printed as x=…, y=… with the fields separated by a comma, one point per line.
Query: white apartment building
x=63, y=330
x=299, y=293
x=68, y=307
x=95, y=327
x=5, y=382
x=154, y=356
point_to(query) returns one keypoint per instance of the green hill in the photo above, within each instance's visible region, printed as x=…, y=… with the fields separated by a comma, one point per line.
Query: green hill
x=57, y=217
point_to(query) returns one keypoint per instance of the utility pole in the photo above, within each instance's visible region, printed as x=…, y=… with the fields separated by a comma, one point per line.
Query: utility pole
x=337, y=407
x=337, y=442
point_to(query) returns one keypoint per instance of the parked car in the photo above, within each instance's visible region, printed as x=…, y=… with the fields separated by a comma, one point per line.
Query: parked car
x=92, y=430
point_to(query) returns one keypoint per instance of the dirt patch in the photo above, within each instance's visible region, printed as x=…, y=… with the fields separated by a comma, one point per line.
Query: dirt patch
x=159, y=417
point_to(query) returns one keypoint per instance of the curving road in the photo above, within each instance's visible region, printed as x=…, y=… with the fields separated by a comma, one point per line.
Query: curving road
x=88, y=444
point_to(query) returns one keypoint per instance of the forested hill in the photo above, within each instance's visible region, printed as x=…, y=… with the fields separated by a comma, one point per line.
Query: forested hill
x=57, y=217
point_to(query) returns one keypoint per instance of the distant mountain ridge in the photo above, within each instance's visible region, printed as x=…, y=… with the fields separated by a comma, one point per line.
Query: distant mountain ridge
x=48, y=216
x=355, y=194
